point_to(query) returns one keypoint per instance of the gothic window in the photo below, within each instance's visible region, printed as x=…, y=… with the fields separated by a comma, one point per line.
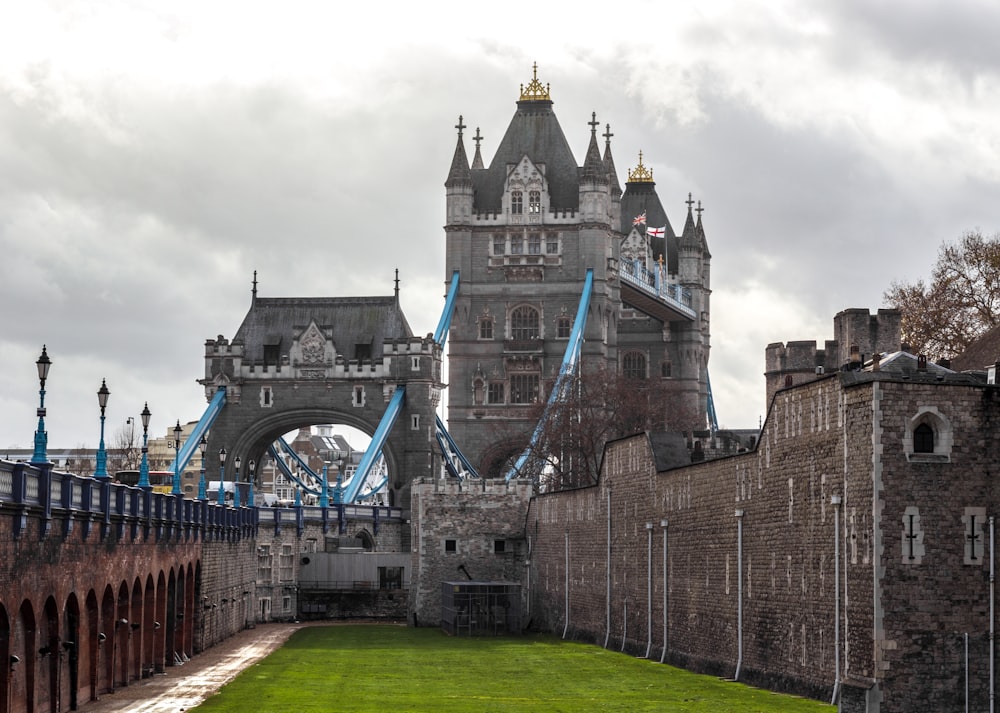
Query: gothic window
x=563, y=327
x=665, y=369
x=516, y=245
x=923, y=439
x=495, y=393
x=486, y=328
x=499, y=245
x=524, y=323
x=634, y=365
x=552, y=244
x=928, y=437
x=523, y=388
x=516, y=202
x=534, y=202
x=534, y=244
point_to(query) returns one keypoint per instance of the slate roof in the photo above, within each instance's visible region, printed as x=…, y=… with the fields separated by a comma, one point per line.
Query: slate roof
x=352, y=320
x=534, y=132
x=982, y=353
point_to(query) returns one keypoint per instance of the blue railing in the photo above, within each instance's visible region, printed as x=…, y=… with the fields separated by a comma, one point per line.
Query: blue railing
x=651, y=282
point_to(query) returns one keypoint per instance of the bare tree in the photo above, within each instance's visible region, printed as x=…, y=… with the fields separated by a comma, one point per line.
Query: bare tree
x=125, y=448
x=597, y=407
x=961, y=302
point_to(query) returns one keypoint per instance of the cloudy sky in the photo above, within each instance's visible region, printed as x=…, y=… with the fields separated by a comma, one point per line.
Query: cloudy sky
x=153, y=155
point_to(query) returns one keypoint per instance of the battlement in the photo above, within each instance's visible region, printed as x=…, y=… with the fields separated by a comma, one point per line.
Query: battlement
x=552, y=217
x=521, y=488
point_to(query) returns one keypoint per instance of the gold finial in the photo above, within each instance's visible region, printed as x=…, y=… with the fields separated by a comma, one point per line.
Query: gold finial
x=640, y=174
x=535, y=91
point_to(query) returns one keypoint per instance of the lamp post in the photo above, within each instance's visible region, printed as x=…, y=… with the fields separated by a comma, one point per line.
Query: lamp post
x=253, y=468
x=222, y=477
x=202, y=446
x=177, y=459
x=144, y=463
x=324, y=495
x=41, y=437
x=236, y=483
x=102, y=455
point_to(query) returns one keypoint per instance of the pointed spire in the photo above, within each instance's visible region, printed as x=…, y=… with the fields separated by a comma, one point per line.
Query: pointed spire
x=593, y=165
x=689, y=238
x=477, y=161
x=701, y=232
x=459, y=172
x=609, y=164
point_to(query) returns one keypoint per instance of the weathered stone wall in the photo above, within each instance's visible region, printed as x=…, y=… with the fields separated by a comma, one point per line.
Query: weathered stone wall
x=471, y=530
x=783, y=491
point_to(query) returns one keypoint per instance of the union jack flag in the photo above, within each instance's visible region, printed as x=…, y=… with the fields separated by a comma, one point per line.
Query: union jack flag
x=656, y=232
x=639, y=219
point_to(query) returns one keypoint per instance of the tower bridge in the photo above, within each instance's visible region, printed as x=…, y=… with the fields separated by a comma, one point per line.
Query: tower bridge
x=550, y=268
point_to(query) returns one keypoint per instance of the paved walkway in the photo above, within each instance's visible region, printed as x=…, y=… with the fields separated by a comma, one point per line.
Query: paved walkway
x=184, y=687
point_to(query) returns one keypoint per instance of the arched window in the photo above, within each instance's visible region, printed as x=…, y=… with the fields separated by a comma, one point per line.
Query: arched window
x=634, y=365
x=923, y=439
x=534, y=202
x=665, y=369
x=563, y=327
x=486, y=328
x=524, y=323
x=516, y=202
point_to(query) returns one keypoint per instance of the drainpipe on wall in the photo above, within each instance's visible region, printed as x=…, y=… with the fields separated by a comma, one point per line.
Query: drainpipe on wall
x=992, y=619
x=566, y=625
x=649, y=588
x=739, y=606
x=624, y=622
x=663, y=524
x=607, y=595
x=835, y=501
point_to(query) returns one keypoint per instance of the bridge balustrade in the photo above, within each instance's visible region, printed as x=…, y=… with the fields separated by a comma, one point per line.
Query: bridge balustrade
x=72, y=497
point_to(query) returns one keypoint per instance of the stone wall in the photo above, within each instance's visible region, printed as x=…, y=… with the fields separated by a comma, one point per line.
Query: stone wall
x=472, y=530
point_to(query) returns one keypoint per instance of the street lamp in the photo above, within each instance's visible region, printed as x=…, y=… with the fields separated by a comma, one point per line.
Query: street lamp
x=222, y=476
x=102, y=455
x=236, y=484
x=253, y=469
x=203, y=446
x=41, y=437
x=144, y=463
x=324, y=495
x=177, y=459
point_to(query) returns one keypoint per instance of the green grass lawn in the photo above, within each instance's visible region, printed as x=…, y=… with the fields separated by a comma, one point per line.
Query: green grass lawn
x=395, y=668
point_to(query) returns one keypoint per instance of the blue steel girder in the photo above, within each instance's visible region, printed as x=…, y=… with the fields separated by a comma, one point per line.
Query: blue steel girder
x=201, y=428
x=566, y=372
x=375, y=447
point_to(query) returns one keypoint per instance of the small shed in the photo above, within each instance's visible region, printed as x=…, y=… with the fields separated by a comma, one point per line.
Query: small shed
x=470, y=608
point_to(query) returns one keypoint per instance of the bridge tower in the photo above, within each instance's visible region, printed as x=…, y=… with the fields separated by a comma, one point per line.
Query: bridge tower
x=297, y=362
x=522, y=232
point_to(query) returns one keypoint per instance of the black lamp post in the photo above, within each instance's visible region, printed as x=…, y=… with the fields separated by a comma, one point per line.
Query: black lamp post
x=177, y=459
x=236, y=484
x=41, y=437
x=202, y=446
x=102, y=455
x=144, y=463
x=253, y=469
x=222, y=476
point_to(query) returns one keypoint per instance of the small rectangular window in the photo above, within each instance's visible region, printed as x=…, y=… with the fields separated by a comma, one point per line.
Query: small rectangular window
x=516, y=245
x=534, y=244
x=415, y=363
x=486, y=329
x=552, y=244
x=499, y=245
x=499, y=546
x=415, y=422
x=451, y=546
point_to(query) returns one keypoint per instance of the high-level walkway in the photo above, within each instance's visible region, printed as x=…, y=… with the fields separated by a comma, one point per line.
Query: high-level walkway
x=182, y=688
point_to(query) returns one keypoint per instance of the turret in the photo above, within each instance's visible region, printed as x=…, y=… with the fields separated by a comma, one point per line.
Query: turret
x=459, y=184
x=595, y=194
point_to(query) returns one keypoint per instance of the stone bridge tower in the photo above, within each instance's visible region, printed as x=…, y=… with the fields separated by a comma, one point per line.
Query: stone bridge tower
x=522, y=233
x=298, y=362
